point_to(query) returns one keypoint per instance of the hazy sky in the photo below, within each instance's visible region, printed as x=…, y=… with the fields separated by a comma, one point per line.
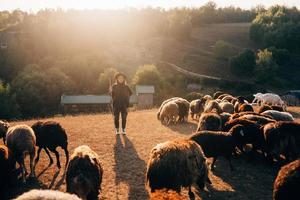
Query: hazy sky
x=34, y=5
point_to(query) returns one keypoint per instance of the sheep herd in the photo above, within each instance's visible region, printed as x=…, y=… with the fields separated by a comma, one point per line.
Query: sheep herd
x=227, y=125
x=83, y=171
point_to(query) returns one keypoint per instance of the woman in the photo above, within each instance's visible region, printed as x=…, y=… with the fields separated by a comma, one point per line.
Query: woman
x=120, y=98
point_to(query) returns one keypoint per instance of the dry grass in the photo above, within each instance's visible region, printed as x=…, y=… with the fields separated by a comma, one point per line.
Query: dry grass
x=124, y=159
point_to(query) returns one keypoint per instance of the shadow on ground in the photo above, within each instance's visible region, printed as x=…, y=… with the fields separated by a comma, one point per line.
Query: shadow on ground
x=129, y=168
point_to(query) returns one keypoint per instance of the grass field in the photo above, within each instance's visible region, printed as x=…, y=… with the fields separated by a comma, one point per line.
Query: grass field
x=124, y=159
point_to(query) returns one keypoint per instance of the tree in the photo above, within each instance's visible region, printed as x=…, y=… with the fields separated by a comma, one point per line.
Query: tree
x=106, y=79
x=224, y=50
x=243, y=63
x=38, y=91
x=147, y=75
x=8, y=105
x=280, y=56
x=266, y=67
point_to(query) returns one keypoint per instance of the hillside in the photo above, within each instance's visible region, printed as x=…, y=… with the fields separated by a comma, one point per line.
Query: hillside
x=124, y=159
x=194, y=54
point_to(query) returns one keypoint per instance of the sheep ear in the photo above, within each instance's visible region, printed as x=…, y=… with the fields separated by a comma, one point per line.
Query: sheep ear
x=242, y=133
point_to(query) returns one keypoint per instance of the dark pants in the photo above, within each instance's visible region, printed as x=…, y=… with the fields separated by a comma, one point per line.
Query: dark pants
x=117, y=111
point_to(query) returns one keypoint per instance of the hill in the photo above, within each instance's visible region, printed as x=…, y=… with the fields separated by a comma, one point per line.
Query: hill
x=124, y=159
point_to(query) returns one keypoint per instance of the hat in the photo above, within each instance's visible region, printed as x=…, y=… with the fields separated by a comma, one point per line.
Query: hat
x=120, y=74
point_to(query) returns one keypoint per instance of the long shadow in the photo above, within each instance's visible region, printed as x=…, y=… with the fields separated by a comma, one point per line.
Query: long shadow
x=251, y=179
x=185, y=128
x=130, y=169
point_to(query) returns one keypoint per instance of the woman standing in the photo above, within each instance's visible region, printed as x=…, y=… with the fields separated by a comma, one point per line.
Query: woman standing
x=120, y=98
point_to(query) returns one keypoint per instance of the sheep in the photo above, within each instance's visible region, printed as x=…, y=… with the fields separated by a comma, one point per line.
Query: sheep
x=169, y=113
x=269, y=98
x=282, y=138
x=240, y=100
x=252, y=133
x=3, y=129
x=245, y=108
x=46, y=195
x=183, y=108
x=21, y=141
x=162, y=105
x=241, y=114
x=223, y=95
x=279, y=116
x=228, y=98
x=50, y=135
x=210, y=122
x=217, y=143
x=217, y=94
x=212, y=106
x=261, y=120
x=224, y=118
x=264, y=108
x=227, y=107
x=176, y=164
x=165, y=195
x=196, y=108
x=286, y=185
x=7, y=166
x=84, y=173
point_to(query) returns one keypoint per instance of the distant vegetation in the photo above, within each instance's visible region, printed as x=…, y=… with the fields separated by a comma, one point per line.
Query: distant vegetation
x=55, y=52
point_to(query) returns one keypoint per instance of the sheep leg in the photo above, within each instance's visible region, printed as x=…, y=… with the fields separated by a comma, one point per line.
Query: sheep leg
x=48, y=153
x=67, y=156
x=21, y=163
x=57, y=158
x=32, y=155
x=38, y=155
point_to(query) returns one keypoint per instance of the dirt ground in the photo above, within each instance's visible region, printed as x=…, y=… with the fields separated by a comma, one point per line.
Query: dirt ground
x=124, y=159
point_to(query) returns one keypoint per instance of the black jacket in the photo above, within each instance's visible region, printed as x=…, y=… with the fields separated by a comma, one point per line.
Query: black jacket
x=120, y=94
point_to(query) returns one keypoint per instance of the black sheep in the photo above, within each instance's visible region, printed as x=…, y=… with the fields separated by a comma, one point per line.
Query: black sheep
x=252, y=133
x=84, y=173
x=286, y=185
x=50, y=135
x=217, y=143
x=176, y=164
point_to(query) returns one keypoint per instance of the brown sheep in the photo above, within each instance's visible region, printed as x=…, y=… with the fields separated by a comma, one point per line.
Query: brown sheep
x=209, y=122
x=84, y=173
x=227, y=107
x=191, y=169
x=286, y=185
x=196, y=108
x=21, y=141
x=245, y=108
x=217, y=94
x=212, y=106
x=217, y=143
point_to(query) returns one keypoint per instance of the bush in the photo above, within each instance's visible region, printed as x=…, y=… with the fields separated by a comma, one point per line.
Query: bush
x=38, y=91
x=243, y=63
x=280, y=56
x=106, y=79
x=8, y=105
x=266, y=67
x=224, y=50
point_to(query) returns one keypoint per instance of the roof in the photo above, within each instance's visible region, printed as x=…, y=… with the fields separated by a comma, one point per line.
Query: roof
x=144, y=89
x=85, y=99
x=90, y=99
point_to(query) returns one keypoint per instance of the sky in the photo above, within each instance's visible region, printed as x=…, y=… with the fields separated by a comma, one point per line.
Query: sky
x=35, y=5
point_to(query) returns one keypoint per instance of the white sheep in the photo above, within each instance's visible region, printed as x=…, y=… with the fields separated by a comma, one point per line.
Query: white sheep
x=21, y=141
x=268, y=98
x=278, y=115
x=169, y=113
x=46, y=195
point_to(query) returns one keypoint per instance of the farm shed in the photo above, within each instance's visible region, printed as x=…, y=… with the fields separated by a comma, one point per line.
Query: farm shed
x=144, y=95
x=291, y=98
